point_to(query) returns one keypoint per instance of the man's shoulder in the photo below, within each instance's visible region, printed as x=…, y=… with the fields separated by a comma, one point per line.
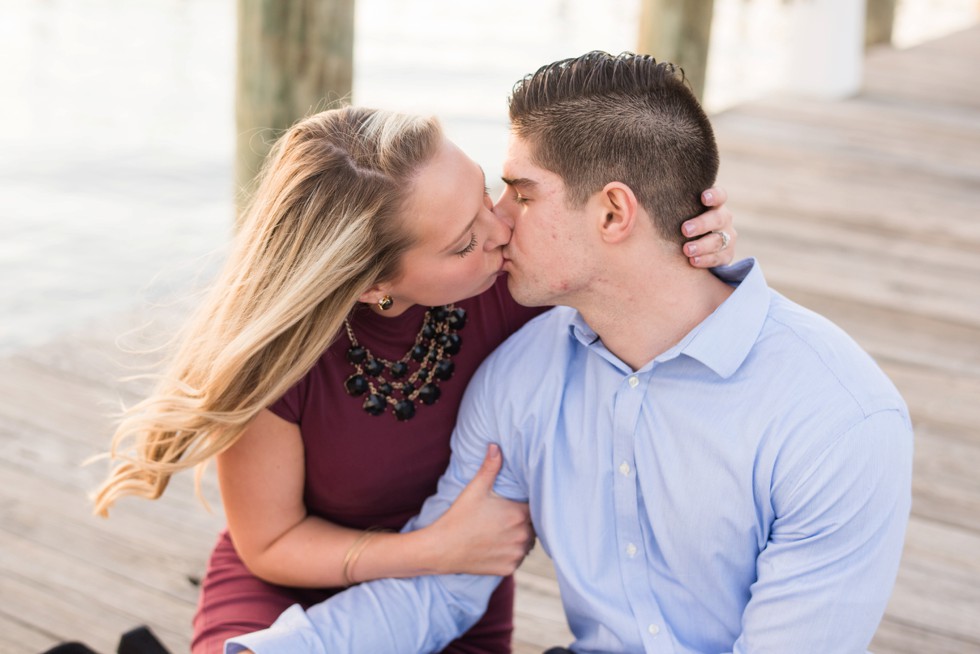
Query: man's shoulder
x=544, y=331
x=537, y=349
x=825, y=358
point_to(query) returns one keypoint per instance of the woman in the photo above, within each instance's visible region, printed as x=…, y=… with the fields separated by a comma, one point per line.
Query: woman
x=326, y=388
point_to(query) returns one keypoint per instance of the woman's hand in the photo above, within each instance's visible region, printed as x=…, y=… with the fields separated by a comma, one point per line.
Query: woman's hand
x=712, y=249
x=482, y=533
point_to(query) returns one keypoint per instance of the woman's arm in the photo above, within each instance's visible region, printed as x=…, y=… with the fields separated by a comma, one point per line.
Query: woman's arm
x=711, y=249
x=262, y=479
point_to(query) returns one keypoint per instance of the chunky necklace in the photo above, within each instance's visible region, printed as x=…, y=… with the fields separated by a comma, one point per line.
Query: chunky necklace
x=394, y=383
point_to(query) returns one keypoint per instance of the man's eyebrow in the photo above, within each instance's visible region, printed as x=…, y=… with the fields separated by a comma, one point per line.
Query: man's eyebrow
x=520, y=182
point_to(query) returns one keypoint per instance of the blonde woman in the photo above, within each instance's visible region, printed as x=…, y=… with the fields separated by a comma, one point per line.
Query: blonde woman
x=324, y=371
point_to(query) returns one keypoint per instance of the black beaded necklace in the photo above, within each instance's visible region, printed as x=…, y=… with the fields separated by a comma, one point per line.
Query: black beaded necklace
x=393, y=383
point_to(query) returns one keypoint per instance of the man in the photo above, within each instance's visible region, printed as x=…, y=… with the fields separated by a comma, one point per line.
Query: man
x=711, y=467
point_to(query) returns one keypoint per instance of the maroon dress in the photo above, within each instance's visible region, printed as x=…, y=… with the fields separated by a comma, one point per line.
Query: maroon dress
x=364, y=470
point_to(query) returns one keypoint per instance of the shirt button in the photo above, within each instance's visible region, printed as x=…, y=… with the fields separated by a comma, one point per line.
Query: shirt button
x=653, y=629
x=634, y=381
x=631, y=550
x=624, y=469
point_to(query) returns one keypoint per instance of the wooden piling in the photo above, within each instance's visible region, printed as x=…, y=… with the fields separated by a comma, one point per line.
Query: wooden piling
x=293, y=58
x=678, y=31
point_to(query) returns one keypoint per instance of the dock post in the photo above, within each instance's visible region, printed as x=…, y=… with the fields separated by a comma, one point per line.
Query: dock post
x=293, y=58
x=678, y=31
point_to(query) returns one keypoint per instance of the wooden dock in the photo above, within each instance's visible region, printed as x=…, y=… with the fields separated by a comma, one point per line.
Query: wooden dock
x=867, y=210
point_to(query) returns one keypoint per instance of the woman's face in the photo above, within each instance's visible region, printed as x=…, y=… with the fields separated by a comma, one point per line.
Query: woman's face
x=458, y=238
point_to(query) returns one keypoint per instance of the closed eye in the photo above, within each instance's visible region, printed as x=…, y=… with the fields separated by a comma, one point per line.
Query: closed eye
x=469, y=248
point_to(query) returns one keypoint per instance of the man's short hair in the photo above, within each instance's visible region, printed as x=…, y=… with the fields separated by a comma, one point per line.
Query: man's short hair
x=600, y=118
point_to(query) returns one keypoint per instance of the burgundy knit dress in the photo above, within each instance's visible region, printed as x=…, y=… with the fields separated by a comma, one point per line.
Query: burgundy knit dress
x=364, y=470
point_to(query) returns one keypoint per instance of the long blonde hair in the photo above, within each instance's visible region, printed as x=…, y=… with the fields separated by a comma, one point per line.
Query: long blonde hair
x=323, y=226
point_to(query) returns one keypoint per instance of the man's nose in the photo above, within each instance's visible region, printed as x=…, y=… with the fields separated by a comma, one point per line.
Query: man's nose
x=503, y=210
x=501, y=229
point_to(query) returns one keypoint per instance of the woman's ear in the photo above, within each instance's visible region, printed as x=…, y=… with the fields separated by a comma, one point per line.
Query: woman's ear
x=373, y=295
x=620, y=212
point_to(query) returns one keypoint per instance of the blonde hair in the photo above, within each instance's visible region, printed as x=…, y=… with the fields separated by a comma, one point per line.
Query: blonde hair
x=323, y=226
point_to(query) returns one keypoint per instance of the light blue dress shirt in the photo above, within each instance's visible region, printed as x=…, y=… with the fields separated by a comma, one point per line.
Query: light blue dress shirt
x=746, y=491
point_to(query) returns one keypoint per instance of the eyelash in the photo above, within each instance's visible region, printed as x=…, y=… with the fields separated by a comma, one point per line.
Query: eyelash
x=469, y=248
x=520, y=199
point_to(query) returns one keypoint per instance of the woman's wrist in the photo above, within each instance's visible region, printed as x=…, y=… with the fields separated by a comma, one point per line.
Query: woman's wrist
x=353, y=554
x=377, y=555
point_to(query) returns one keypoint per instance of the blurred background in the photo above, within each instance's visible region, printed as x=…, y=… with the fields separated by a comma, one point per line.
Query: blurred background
x=117, y=124
x=849, y=134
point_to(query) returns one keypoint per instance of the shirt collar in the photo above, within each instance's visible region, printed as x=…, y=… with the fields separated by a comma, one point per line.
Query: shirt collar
x=723, y=340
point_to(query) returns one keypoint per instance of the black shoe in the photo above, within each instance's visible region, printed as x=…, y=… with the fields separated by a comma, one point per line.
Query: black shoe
x=70, y=648
x=140, y=641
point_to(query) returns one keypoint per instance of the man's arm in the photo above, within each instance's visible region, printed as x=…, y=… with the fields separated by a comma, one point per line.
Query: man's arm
x=419, y=614
x=825, y=576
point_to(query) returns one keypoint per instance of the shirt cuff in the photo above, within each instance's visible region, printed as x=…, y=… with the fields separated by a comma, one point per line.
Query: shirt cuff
x=291, y=632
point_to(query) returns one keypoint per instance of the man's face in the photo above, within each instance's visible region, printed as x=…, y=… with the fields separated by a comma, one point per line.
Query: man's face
x=548, y=258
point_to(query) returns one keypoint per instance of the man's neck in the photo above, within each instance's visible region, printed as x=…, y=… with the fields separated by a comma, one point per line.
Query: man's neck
x=642, y=311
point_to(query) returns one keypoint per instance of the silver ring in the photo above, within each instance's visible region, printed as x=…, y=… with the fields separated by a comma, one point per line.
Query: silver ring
x=725, y=239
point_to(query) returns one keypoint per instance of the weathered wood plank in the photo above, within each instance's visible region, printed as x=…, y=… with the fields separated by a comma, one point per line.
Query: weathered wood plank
x=934, y=73
x=897, y=637
x=150, y=545
x=127, y=603
x=938, y=398
x=919, y=278
x=946, y=483
x=80, y=412
x=936, y=604
x=16, y=635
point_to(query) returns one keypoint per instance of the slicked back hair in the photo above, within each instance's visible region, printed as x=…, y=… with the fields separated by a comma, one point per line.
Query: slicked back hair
x=600, y=118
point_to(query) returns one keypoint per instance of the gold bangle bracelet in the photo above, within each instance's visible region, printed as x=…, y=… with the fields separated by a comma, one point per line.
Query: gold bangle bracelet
x=354, y=552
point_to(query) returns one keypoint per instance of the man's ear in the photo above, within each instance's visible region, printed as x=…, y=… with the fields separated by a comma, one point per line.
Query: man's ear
x=620, y=212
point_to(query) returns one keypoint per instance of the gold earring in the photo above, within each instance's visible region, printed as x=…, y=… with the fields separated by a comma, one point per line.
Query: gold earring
x=385, y=303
